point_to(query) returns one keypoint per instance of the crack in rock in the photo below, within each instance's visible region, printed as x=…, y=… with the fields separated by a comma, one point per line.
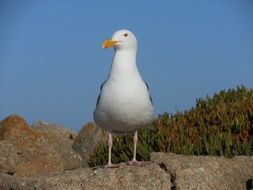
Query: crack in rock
x=172, y=175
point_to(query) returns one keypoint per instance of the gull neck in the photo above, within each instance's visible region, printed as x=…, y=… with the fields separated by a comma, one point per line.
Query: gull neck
x=124, y=64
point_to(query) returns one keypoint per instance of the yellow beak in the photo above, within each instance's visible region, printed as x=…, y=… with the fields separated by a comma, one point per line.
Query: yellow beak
x=109, y=43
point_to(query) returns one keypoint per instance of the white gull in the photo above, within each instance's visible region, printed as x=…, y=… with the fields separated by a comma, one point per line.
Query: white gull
x=124, y=104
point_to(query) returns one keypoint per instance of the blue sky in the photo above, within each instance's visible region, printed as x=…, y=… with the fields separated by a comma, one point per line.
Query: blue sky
x=52, y=63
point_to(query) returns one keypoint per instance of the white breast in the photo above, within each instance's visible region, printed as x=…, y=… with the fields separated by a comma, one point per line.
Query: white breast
x=124, y=106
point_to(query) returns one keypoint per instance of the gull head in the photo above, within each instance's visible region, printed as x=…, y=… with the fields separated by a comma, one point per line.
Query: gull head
x=121, y=39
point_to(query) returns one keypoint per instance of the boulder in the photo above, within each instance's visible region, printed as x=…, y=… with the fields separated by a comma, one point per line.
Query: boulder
x=147, y=177
x=9, y=157
x=61, y=139
x=68, y=180
x=206, y=172
x=89, y=137
x=1, y=132
x=35, y=154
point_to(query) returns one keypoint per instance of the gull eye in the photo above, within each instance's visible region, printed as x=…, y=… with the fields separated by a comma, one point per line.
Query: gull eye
x=126, y=34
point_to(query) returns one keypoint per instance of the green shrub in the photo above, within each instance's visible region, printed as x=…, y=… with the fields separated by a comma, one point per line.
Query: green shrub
x=220, y=125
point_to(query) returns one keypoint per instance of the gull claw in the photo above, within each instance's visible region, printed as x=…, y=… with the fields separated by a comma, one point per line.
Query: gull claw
x=109, y=166
x=134, y=163
x=138, y=163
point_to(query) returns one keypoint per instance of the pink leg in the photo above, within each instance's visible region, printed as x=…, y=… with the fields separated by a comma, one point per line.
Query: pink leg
x=134, y=161
x=110, y=149
x=110, y=165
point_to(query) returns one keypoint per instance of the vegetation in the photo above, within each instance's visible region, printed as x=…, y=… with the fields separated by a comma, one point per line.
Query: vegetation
x=220, y=125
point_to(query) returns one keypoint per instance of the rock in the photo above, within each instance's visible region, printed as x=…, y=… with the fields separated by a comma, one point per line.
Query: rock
x=1, y=132
x=9, y=157
x=69, y=180
x=125, y=177
x=36, y=155
x=89, y=137
x=206, y=172
x=61, y=139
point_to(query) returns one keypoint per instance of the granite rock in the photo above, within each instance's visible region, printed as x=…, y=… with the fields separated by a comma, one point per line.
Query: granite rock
x=68, y=180
x=206, y=172
x=35, y=154
x=147, y=177
x=61, y=139
x=9, y=157
x=89, y=137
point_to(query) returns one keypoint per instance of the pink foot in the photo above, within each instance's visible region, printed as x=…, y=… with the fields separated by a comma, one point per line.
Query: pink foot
x=111, y=166
x=138, y=163
x=134, y=163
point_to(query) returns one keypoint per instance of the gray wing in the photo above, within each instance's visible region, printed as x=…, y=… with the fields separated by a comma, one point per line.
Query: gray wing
x=98, y=99
x=149, y=92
